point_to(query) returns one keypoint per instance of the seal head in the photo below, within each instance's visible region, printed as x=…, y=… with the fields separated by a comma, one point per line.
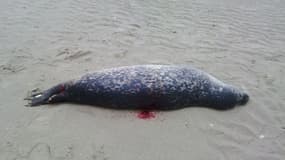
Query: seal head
x=225, y=97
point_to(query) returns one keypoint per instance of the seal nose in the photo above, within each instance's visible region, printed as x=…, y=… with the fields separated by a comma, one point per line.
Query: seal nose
x=244, y=99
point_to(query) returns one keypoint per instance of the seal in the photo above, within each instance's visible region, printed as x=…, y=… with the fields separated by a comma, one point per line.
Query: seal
x=157, y=87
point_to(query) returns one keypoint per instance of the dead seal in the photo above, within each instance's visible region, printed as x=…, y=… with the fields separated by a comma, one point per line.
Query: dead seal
x=158, y=87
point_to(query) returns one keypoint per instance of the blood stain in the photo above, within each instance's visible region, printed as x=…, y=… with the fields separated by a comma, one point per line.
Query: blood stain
x=62, y=88
x=146, y=115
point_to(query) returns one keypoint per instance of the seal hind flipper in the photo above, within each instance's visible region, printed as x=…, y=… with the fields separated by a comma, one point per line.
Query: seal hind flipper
x=39, y=99
x=52, y=95
x=61, y=97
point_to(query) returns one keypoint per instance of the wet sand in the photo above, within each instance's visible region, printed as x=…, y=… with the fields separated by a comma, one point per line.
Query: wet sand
x=45, y=42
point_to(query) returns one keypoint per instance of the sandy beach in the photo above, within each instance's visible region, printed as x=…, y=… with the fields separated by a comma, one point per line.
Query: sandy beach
x=45, y=42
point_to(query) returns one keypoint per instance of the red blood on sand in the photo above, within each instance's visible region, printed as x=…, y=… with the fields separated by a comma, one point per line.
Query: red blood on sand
x=146, y=115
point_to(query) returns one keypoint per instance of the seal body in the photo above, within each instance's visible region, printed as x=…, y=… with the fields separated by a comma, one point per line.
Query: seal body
x=160, y=87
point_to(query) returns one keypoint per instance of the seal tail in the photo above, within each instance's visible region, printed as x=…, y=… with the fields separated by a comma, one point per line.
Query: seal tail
x=52, y=95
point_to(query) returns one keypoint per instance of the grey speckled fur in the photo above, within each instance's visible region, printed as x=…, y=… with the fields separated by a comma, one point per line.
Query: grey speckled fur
x=162, y=87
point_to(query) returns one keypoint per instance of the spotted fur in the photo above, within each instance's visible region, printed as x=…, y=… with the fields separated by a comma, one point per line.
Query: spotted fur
x=162, y=87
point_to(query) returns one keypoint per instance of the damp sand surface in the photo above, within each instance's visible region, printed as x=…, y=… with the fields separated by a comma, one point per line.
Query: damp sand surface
x=46, y=42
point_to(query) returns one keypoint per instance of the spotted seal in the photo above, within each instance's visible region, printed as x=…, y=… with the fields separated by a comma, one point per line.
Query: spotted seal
x=159, y=87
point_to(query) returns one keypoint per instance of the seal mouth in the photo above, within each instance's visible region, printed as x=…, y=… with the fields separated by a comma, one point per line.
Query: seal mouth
x=244, y=99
